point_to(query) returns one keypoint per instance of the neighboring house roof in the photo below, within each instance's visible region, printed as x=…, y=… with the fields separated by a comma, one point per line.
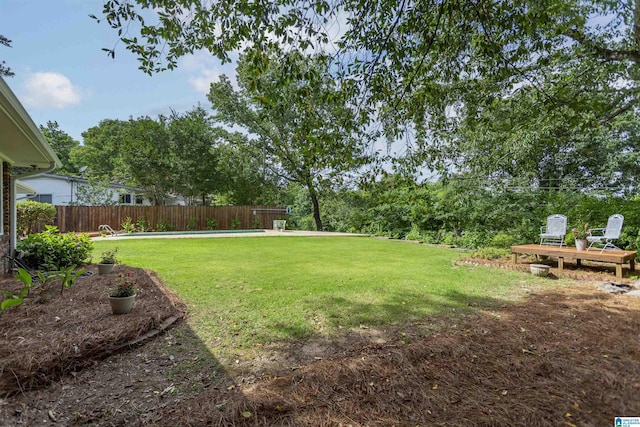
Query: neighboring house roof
x=21, y=142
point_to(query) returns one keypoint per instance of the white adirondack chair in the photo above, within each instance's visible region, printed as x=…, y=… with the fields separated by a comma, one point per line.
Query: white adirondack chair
x=604, y=236
x=553, y=233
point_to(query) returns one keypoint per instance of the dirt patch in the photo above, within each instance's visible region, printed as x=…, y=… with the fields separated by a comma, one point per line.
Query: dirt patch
x=567, y=356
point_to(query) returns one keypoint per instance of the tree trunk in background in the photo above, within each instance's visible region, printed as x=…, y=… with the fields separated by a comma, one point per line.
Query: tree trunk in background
x=316, y=208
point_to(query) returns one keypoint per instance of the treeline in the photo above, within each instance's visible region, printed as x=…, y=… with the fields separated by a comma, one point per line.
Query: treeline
x=462, y=213
x=182, y=154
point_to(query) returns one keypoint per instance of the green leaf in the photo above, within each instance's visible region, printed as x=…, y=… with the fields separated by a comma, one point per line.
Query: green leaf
x=24, y=276
x=10, y=303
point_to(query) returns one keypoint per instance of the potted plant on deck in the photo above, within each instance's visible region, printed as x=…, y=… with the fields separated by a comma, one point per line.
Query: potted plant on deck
x=123, y=295
x=107, y=261
x=580, y=235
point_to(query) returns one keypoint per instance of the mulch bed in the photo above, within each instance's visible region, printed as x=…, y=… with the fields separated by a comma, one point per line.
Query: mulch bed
x=52, y=333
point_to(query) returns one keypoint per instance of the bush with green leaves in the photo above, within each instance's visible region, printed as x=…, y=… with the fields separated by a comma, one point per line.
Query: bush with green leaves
x=128, y=226
x=473, y=239
x=212, y=224
x=450, y=238
x=235, y=223
x=414, y=233
x=142, y=225
x=192, y=224
x=32, y=216
x=490, y=252
x=503, y=240
x=164, y=225
x=52, y=250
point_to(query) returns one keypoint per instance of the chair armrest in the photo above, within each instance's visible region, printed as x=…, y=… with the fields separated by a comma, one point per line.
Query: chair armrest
x=599, y=230
x=543, y=229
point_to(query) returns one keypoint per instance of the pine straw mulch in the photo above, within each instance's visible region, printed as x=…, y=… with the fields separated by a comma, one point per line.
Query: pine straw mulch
x=52, y=333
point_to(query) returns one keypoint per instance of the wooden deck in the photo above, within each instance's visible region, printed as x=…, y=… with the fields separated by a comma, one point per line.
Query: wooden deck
x=571, y=253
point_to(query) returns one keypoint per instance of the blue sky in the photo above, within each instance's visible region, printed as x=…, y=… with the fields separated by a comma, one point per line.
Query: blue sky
x=61, y=73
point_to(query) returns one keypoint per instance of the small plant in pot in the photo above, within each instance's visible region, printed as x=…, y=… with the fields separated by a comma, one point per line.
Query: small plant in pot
x=123, y=295
x=107, y=261
x=580, y=235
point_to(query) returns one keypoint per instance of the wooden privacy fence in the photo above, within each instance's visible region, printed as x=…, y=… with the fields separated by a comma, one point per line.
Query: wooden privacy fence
x=179, y=218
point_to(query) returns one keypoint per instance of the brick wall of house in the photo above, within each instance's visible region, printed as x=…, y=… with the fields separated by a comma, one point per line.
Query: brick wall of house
x=5, y=239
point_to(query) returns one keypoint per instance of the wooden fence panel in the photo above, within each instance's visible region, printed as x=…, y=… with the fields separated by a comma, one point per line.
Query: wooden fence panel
x=180, y=218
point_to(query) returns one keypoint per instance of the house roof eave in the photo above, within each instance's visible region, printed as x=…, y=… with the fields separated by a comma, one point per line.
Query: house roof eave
x=21, y=142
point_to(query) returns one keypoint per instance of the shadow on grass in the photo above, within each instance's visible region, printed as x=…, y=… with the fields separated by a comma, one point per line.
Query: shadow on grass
x=406, y=306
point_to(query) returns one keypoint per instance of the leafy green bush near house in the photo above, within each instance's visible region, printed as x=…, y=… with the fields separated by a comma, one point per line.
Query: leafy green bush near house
x=52, y=250
x=32, y=216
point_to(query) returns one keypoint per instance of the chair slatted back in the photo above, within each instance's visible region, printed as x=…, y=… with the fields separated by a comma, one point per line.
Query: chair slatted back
x=557, y=224
x=614, y=226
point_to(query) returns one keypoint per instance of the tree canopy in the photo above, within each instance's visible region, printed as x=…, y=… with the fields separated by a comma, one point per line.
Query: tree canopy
x=181, y=154
x=433, y=71
x=63, y=144
x=296, y=114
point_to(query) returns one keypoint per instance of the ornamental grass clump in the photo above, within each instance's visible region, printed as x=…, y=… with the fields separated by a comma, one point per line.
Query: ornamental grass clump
x=126, y=286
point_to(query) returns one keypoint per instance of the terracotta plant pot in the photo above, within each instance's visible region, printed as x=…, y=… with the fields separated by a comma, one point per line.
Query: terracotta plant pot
x=122, y=305
x=105, y=268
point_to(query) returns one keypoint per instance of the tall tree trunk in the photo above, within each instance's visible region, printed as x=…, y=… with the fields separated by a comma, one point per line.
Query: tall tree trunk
x=316, y=207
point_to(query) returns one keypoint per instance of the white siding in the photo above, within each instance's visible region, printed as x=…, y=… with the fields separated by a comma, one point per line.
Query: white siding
x=65, y=191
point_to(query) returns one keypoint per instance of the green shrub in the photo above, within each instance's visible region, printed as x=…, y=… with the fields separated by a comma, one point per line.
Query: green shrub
x=212, y=224
x=164, y=225
x=414, y=233
x=430, y=237
x=450, y=238
x=235, y=223
x=142, y=225
x=192, y=225
x=503, y=240
x=51, y=250
x=32, y=216
x=128, y=226
x=473, y=239
x=490, y=253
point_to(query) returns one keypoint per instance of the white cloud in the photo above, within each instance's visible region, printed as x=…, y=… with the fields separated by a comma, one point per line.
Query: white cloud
x=203, y=81
x=206, y=69
x=50, y=90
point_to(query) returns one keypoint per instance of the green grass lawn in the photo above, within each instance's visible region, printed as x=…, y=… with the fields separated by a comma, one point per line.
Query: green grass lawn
x=243, y=292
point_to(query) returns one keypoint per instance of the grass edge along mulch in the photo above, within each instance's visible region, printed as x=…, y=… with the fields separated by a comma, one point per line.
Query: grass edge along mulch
x=53, y=334
x=565, y=356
